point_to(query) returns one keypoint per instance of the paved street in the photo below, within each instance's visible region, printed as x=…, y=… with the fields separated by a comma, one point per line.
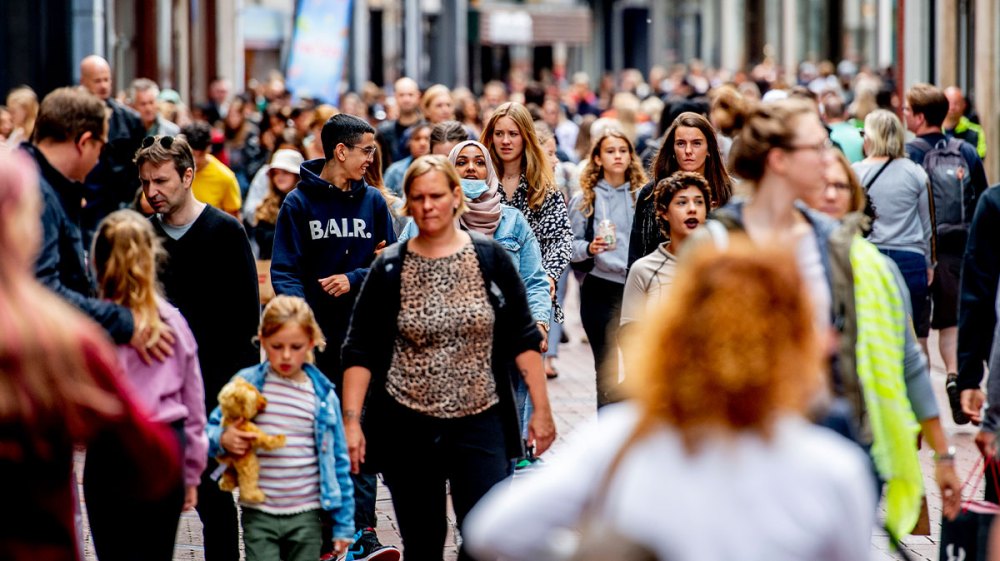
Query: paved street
x=572, y=395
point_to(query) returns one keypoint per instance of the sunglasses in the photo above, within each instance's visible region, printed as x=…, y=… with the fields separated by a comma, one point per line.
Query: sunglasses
x=165, y=141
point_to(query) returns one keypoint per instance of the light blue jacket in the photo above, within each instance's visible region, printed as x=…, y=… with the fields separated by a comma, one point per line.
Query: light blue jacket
x=336, y=489
x=515, y=235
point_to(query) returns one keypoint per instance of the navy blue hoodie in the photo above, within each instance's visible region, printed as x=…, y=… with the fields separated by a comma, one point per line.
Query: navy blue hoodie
x=323, y=231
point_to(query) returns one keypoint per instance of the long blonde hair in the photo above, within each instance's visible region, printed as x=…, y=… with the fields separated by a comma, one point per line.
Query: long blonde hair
x=126, y=253
x=534, y=164
x=593, y=173
x=281, y=311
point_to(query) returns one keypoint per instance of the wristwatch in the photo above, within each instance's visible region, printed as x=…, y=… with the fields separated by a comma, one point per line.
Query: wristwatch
x=948, y=456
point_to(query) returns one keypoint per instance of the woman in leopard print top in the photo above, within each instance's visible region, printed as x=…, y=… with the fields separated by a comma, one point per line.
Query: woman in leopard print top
x=424, y=336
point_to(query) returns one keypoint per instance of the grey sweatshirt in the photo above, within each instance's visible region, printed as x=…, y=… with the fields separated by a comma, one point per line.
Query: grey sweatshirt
x=900, y=195
x=612, y=203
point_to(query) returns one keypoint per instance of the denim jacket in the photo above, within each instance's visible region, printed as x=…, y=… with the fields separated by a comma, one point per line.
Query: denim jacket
x=515, y=235
x=336, y=489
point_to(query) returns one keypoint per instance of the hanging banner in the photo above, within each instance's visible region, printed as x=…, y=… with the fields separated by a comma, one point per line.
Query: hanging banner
x=319, y=49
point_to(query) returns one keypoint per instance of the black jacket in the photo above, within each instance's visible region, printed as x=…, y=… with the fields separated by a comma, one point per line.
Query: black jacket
x=980, y=276
x=113, y=182
x=61, y=263
x=646, y=235
x=372, y=335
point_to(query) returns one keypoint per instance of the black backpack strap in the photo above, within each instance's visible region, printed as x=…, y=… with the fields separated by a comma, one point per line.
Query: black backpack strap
x=878, y=173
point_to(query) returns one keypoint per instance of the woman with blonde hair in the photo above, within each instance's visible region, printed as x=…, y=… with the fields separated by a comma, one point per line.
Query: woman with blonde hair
x=600, y=215
x=843, y=193
x=282, y=177
x=126, y=253
x=900, y=190
x=528, y=185
x=437, y=321
x=721, y=388
x=61, y=386
x=437, y=105
x=23, y=105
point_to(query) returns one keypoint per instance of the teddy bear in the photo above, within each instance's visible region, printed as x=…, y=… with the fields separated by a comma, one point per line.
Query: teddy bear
x=241, y=401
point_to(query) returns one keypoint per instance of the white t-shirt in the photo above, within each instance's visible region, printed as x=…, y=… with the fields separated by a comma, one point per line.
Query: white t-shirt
x=807, y=494
x=647, y=283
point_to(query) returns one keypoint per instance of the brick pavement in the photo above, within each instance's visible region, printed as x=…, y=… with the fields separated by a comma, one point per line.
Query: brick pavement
x=573, y=401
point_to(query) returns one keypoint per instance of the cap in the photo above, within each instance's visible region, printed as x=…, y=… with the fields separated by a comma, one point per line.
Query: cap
x=287, y=160
x=170, y=96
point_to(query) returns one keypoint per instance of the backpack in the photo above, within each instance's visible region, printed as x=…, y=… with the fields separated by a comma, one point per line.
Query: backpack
x=951, y=184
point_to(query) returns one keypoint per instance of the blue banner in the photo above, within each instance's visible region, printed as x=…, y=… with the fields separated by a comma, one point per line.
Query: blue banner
x=319, y=49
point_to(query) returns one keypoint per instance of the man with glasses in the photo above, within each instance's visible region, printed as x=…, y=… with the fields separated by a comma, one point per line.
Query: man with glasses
x=211, y=277
x=328, y=231
x=70, y=134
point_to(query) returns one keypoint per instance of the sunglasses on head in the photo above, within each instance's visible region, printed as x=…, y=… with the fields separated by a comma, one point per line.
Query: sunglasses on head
x=165, y=141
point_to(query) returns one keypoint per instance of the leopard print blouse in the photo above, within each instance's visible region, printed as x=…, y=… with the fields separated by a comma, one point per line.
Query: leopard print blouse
x=441, y=361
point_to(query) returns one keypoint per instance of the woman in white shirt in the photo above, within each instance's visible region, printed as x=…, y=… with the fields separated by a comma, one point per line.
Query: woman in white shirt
x=713, y=458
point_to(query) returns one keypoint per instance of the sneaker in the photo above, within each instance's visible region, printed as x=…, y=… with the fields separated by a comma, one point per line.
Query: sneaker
x=955, y=400
x=366, y=547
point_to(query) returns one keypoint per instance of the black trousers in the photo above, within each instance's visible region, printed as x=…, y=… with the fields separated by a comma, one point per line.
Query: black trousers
x=424, y=454
x=220, y=526
x=600, y=312
x=125, y=528
x=365, y=485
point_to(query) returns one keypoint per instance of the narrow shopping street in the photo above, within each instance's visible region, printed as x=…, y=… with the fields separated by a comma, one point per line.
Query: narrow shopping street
x=572, y=395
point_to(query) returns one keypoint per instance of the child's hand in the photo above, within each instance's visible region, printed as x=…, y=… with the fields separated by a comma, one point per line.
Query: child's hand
x=235, y=441
x=340, y=546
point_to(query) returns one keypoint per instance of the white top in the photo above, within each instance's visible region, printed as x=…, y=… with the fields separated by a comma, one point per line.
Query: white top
x=807, y=494
x=289, y=475
x=647, y=283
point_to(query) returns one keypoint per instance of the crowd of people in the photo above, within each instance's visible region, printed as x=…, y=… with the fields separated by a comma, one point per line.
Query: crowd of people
x=760, y=264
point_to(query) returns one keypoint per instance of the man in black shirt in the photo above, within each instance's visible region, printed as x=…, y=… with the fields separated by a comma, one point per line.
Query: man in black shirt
x=211, y=277
x=390, y=133
x=112, y=183
x=924, y=111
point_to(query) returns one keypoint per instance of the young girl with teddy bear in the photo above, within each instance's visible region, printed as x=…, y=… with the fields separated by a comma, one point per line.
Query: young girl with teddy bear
x=306, y=479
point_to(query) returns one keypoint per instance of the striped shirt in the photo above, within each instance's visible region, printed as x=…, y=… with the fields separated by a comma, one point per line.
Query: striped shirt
x=289, y=476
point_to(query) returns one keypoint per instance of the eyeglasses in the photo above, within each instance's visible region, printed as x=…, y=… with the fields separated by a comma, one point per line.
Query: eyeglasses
x=369, y=151
x=821, y=147
x=165, y=141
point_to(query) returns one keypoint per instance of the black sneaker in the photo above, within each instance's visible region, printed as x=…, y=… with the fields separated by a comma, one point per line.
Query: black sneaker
x=366, y=547
x=955, y=400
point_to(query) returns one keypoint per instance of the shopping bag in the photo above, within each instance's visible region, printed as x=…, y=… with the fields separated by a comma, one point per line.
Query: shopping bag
x=966, y=537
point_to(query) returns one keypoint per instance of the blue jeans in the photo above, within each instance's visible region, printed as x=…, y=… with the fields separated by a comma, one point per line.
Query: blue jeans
x=555, y=329
x=524, y=406
x=913, y=266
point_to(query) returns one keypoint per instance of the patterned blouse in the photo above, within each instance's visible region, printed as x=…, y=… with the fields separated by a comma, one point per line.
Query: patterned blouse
x=550, y=224
x=442, y=358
